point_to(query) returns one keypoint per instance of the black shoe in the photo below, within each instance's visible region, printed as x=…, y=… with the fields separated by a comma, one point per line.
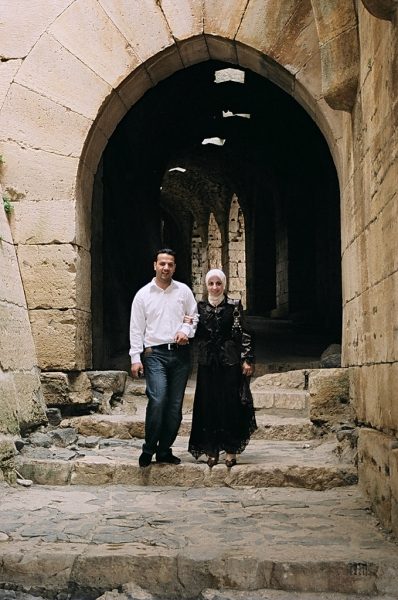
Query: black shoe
x=212, y=461
x=145, y=459
x=168, y=458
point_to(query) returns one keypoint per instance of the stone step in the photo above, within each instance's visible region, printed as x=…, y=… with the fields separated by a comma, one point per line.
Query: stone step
x=180, y=542
x=281, y=401
x=270, y=427
x=312, y=464
x=273, y=400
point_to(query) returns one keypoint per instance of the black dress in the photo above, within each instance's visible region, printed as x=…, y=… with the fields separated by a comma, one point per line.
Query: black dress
x=223, y=418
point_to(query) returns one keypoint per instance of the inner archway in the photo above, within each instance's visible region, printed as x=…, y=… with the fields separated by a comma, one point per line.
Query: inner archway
x=160, y=179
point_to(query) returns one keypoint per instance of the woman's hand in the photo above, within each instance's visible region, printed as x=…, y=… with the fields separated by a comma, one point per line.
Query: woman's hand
x=188, y=319
x=247, y=369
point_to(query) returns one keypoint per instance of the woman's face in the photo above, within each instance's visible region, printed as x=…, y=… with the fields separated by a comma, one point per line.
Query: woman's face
x=215, y=286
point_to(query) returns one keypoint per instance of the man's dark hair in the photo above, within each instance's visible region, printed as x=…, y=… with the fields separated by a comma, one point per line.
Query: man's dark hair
x=165, y=251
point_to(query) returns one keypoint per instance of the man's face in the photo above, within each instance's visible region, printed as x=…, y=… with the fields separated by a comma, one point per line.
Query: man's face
x=164, y=268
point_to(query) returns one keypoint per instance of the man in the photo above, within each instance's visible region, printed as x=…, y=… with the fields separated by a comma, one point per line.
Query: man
x=157, y=327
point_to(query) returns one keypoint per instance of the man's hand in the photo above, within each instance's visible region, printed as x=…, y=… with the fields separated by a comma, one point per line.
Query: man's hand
x=181, y=338
x=247, y=369
x=137, y=370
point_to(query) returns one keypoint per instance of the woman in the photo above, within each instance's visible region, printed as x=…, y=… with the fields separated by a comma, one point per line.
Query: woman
x=223, y=416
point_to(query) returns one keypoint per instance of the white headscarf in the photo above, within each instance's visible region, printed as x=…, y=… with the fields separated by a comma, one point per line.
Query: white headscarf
x=216, y=300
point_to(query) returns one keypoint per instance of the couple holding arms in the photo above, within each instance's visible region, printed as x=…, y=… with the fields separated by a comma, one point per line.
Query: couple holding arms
x=164, y=317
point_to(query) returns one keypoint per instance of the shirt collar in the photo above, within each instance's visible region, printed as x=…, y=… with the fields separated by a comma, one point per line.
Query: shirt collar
x=169, y=287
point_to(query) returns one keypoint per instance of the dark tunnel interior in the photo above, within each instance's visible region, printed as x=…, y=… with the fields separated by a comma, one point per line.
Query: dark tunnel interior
x=276, y=162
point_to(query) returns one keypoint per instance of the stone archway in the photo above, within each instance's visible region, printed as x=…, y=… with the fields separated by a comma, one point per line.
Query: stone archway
x=160, y=174
x=135, y=49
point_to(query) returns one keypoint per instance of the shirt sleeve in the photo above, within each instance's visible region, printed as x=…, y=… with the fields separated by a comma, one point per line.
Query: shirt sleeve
x=137, y=329
x=191, y=309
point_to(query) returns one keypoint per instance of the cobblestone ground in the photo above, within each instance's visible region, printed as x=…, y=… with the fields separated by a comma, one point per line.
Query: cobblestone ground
x=244, y=527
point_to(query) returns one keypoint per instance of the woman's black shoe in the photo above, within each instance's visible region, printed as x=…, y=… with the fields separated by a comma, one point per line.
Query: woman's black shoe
x=230, y=462
x=212, y=461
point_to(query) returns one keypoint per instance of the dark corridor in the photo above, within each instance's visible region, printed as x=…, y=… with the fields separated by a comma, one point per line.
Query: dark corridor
x=276, y=161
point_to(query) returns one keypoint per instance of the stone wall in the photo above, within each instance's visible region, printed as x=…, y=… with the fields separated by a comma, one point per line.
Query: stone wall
x=21, y=401
x=370, y=259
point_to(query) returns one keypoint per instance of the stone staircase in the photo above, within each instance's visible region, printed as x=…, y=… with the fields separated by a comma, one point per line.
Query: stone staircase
x=288, y=517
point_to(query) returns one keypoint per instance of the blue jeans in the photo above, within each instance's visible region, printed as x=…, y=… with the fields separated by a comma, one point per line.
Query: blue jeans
x=166, y=375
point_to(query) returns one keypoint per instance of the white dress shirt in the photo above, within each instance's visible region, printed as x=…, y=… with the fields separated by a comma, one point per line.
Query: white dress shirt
x=157, y=315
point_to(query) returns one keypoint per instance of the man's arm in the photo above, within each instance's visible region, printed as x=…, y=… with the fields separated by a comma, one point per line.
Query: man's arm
x=190, y=322
x=137, y=330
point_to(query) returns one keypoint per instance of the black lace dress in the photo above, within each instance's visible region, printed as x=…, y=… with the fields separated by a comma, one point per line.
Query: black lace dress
x=223, y=417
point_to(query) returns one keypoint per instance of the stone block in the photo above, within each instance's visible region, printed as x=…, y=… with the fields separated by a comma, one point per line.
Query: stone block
x=394, y=488
x=329, y=396
x=373, y=392
x=352, y=257
x=272, y=28
x=162, y=65
x=224, y=17
x=370, y=321
x=340, y=69
x=8, y=404
x=47, y=70
x=91, y=32
x=222, y=49
x=21, y=402
x=142, y=24
x=5, y=232
x=80, y=389
x=22, y=179
x=111, y=113
x=7, y=73
x=55, y=276
x=65, y=389
x=290, y=379
x=62, y=338
x=193, y=50
x=55, y=388
x=23, y=23
x=134, y=86
x=7, y=451
x=108, y=381
x=185, y=19
x=46, y=472
x=36, y=121
x=50, y=222
x=11, y=290
x=380, y=244
x=7, y=459
x=17, y=350
x=94, y=147
x=299, y=42
x=30, y=407
x=84, y=196
x=374, y=449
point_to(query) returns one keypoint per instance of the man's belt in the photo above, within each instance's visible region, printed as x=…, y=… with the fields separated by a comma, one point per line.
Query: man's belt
x=170, y=347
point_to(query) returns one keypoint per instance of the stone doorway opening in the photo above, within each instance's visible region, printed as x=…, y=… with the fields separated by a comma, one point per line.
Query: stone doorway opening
x=225, y=167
